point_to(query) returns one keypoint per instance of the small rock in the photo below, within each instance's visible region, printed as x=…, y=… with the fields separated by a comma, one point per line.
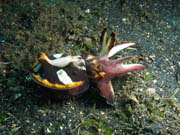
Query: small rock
x=124, y=19
x=87, y=11
x=150, y=91
x=179, y=64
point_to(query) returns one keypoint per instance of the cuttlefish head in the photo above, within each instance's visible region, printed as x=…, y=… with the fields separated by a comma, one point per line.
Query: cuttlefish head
x=102, y=69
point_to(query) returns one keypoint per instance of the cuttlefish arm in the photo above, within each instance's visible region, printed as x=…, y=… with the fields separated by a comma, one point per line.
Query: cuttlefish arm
x=112, y=68
x=117, y=67
x=106, y=90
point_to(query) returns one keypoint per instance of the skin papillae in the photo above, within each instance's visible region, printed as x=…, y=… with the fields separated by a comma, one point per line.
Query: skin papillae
x=102, y=69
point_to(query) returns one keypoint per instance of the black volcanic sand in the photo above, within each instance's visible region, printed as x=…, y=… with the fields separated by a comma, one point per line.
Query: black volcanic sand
x=146, y=102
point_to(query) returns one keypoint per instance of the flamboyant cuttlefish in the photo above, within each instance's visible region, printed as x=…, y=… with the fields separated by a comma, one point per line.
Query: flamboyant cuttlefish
x=72, y=73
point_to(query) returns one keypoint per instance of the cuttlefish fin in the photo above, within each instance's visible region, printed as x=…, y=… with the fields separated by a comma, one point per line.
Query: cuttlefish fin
x=106, y=90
